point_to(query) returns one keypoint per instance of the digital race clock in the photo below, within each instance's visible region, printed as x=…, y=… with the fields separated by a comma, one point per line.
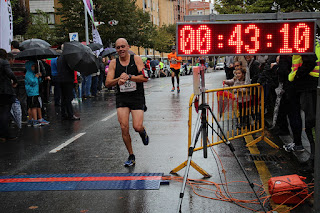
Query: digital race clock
x=243, y=38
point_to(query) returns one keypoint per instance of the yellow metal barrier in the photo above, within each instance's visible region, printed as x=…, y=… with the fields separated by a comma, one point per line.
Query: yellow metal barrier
x=239, y=111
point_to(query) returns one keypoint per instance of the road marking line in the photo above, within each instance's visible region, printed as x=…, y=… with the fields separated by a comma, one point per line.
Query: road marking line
x=55, y=150
x=110, y=116
x=264, y=173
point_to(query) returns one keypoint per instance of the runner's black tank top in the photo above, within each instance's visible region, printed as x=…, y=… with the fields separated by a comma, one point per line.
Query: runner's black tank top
x=132, y=97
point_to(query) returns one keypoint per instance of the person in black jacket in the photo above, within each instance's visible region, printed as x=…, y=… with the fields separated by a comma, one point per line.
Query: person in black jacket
x=290, y=106
x=306, y=86
x=66, y=80
x=7, y=95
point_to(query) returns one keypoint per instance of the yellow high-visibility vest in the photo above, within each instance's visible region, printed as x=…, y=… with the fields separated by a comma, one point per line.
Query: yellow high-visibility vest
x=297, y=62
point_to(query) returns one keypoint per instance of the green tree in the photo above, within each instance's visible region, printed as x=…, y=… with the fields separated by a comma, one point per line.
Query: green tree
x=20, y=18
x=265, y=6
x=39, y=28
x=133, y=23
x=164, y=37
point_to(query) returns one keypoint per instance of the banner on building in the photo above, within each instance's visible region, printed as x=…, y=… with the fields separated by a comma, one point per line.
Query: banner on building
x=6, y=26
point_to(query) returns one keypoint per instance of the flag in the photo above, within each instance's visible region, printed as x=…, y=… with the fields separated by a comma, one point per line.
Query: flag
x=95, y=34
x=6, y=26
x=89, y=6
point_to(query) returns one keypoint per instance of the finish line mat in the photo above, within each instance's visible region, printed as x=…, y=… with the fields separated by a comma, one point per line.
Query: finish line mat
x=108, y=181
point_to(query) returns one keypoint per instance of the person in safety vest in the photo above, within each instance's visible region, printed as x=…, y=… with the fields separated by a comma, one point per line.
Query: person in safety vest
x=304, y=74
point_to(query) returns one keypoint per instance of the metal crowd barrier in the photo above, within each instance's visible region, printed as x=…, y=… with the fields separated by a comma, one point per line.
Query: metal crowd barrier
x=239, y=111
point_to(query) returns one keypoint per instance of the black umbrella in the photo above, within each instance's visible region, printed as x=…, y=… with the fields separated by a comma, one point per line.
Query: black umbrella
x=108, y=51
x=95, y=46
x=34, y=42
x=36, y=53
x=80, y=58
x=154, y=63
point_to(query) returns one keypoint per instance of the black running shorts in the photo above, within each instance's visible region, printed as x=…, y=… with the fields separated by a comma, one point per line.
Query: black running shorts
x=176, y=72
x=132, y=106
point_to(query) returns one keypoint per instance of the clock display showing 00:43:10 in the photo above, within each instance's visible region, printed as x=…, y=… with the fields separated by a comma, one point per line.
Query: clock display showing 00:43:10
x=259, y=38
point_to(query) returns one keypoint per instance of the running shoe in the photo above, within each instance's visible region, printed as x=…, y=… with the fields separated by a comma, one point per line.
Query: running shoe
x=178, y=89
x=144, y=136
x=35, y=123
x=29, y=122
x=291, y=147
x=172, y=90
x=299, y=148
x=43, y=121
x=130, y=162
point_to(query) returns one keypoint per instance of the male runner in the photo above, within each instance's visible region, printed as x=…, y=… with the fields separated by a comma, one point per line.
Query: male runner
x=127, y=74
x=175, y=64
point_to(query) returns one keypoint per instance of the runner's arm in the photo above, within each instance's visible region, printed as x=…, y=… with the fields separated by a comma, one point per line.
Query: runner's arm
x=139, y=63
x=110, y=80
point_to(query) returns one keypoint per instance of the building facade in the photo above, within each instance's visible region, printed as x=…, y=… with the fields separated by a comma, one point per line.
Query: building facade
x=200, y=8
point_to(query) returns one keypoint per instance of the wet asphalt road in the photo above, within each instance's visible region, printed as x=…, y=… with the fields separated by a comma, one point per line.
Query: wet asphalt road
x=100, y=150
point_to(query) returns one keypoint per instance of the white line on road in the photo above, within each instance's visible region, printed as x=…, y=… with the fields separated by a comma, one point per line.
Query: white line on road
x=110, y=116
x=55, y=150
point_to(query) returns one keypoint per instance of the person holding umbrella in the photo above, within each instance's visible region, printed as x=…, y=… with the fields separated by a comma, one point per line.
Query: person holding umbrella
x=7, y=94
x=34, y=102
x=127, y=73
x=66, y=80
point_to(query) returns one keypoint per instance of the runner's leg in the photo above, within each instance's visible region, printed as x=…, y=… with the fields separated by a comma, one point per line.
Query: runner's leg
x=137, y=120
x=123, y=118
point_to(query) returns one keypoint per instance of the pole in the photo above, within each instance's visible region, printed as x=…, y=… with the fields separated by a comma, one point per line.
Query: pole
x=86, y=25
x=204, y=111
x=316, y=206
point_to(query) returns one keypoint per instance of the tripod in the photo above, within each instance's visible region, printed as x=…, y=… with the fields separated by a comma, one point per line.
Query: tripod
x=204, y=130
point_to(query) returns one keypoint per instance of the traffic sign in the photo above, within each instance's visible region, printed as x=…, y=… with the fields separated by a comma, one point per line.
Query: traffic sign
x=73, y=36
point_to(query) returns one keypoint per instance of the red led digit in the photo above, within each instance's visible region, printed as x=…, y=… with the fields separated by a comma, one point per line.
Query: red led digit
x=285, y=31
x=235, y=39
x=298, y=38
x=254, y=39
x=203, y=39
x=187, y=39
x=285, y=37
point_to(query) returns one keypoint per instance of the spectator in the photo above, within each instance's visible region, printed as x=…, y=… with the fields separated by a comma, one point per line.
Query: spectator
x=242, y=97
x=66, y=80
x=86, y=86
x=102, y=74
x=289, y=106
x=32, y=82
x=45, y=85
x=304, y=75
x=55, y=82
x=7, y=95
x=253, y=68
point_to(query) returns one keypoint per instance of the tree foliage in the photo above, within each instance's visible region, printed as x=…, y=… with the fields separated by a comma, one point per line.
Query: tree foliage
x=39, y=28
x=265, y=6
x=20, y=18
x=164, y=37
x=133, y=23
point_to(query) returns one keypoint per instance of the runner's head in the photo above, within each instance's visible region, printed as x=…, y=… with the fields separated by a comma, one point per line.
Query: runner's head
x=173, y=49
x=122, y=47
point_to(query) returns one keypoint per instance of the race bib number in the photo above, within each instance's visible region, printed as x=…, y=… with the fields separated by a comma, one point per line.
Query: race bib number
x=128, y=86
x=173, y=61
